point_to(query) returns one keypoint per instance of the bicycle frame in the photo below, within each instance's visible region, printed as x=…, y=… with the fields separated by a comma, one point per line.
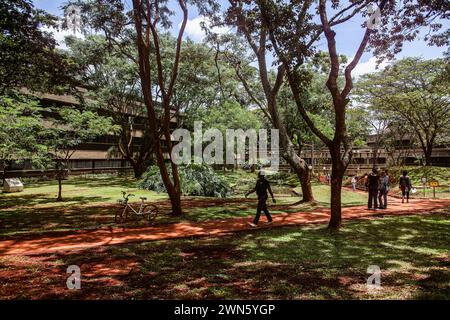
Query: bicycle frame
x=143, y=210
x=140, y=212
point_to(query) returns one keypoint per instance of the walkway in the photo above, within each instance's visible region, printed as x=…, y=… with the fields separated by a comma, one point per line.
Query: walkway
x=101, y=237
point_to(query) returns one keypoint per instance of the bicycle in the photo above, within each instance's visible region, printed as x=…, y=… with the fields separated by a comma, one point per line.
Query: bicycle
x=149, y=211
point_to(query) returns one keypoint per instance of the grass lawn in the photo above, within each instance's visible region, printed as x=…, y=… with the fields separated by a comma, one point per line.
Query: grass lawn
x=279, y=263
x=90, y=202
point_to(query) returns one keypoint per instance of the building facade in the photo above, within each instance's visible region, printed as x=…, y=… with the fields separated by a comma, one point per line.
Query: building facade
x=95, y=156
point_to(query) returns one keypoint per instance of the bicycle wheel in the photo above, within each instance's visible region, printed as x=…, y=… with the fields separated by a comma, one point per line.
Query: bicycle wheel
x=121, y=215
x=150, y=211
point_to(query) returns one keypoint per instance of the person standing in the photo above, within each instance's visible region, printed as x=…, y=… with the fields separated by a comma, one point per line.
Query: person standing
x=261, y=189
x=373, y=181
x=354, y=183
x=384, y=189
x=405, y=185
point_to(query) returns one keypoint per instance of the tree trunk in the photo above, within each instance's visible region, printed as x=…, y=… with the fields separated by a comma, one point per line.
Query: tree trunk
x=172, y=186
x=59, y=198
x=299, y=166
x=305, y=182
x=337, y=174
x=175, y=200
x=428, y=151
x=138, y=168
x=304, y=176
x=375, y=156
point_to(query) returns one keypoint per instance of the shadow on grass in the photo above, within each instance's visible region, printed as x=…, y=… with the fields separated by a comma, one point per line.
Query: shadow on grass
x=93, y=182
x=281, y=263
x=29, y=200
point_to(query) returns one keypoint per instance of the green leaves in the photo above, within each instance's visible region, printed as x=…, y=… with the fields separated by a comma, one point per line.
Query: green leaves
x=21, y=130
x=196, y=180
x=28, y=55
x=26, y=135
x=411, y=94
x=229, y=115
x=73, y=127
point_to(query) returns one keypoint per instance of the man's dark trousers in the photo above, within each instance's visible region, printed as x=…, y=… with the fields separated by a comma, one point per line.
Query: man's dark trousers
x=262, y=206
x=373, y=194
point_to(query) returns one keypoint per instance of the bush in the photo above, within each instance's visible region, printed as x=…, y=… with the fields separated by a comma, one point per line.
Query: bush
x=441, y=174
x=196, y=180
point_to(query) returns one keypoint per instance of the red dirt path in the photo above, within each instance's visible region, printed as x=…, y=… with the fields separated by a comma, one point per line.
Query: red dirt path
x=87, y=239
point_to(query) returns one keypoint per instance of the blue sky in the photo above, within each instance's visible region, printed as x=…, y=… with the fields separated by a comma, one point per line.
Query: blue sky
x=347, y=38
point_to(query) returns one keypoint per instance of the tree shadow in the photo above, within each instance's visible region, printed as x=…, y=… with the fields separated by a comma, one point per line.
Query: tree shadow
x=281, y=263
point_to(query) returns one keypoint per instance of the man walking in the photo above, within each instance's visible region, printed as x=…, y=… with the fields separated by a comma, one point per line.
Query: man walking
x=373, y=181
x=405, y=185
x=261, y=188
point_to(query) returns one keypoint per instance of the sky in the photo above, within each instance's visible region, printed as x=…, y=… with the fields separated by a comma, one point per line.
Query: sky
x=348, y=37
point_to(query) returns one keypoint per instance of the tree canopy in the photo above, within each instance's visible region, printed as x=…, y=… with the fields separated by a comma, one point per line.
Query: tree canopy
x=411, y=91
x=29, y=57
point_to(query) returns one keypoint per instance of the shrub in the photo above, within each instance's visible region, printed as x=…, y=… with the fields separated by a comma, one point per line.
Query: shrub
x=196, y=180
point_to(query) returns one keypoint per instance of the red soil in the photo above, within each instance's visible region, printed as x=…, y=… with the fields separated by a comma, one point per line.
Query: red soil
x=88, y=239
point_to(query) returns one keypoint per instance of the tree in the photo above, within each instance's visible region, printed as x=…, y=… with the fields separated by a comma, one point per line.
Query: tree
x=250, y=27
x=28, y=55
x=294, y=34
x=113, y=87
x=208, y=90
x=69, y=129
x=147, y=15
x=412, y=92
x=21, y=132
x=399, y=142
x=148, y=20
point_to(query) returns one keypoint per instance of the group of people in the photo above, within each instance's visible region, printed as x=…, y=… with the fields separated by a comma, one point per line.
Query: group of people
x=378, y=185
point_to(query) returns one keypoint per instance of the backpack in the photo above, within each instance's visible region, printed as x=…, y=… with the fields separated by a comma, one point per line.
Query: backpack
x=405, y=182
x=384, y=183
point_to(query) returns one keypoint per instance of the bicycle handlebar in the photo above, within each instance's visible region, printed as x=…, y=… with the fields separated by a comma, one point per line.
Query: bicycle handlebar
x=125, y=196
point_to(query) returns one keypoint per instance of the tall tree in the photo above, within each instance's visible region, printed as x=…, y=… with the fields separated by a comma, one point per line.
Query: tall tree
x=147, y=16
x=400, y=143
x=113, y=87
x=249, y=25
x=411, y=91
x=295, y=33
x=148, y=19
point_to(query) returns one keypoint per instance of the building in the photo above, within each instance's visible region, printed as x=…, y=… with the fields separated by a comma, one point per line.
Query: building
x=95, y=156
x=364, y=158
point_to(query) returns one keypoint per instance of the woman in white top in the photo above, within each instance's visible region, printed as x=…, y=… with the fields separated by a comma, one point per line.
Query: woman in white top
x=354, y=183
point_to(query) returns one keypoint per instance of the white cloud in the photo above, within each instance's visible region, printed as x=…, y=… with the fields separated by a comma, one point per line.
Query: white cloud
x=370, y=66
x=59, y=35
x=194, y=28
